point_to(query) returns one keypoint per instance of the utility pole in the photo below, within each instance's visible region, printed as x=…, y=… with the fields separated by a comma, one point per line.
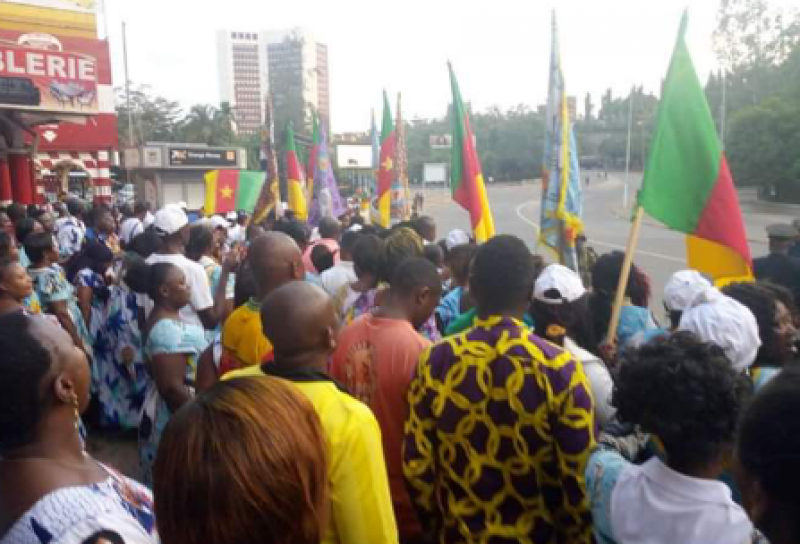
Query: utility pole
x=127, y=84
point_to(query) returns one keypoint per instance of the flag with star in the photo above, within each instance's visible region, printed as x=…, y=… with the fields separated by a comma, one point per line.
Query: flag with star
x=296, y=178
x=232, y=190
x=466, y=178
x=386, y=169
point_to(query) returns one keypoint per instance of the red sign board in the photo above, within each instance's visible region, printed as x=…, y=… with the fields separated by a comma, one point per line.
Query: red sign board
x=33, y=77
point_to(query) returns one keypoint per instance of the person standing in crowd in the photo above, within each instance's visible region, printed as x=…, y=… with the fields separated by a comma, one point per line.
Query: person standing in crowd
x=51, y=490
x=375, y=358
x=6, y=225
x=636, y=322
x=205, y=308
x=765, y=464
x=297, y=231
x=274, y=260
x=343, y=273
x=687, y=394
x=560, y=311
x=358, y=297
x=237, y=232
x=47, y=220
x=425, y=226
x=71, y=230
x=459, y=259
x=15, y=286
x=322, y=259
x=55, y=293
x=10, y=252
x=330, y=233
x=775, y=329
x=361, y=505
x=16, y=211
x=500, y=380
x=200, y=249
x=270, y=477
x=171, y=349
x=778, y=267
x=22, y=229
x=93, y=285
x=680, y=291
x=105, y=228
x=133, y=224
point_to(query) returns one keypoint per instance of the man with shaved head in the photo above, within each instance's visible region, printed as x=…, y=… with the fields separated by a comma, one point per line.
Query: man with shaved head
x=274, y=259
x=301, y=321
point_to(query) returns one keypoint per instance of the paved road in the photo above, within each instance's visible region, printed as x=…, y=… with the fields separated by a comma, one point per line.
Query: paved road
x=661, y=252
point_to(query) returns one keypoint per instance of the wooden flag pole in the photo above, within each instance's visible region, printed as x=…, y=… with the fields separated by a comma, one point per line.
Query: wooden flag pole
x=625, y=273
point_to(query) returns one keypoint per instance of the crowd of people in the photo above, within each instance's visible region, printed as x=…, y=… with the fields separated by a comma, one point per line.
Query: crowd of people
x=350, y=384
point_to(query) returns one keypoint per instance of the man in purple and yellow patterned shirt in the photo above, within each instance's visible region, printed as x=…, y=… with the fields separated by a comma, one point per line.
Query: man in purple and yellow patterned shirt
x=501, y=422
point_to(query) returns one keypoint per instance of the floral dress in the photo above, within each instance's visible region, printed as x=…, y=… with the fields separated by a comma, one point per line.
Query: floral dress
x=51, y=285
x=120, y=375
x=168, y=336
x=70, y=515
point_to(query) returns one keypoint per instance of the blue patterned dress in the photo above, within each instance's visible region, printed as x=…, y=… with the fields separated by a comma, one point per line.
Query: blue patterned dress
x=167, y=336
x=70, y=515
x=120, y=375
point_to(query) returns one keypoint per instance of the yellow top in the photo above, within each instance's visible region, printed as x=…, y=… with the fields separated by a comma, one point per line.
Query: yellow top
x=361, y=505
x=243, y=338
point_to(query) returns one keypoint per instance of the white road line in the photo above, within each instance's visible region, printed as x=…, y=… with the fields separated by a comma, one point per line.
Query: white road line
x=596, y=242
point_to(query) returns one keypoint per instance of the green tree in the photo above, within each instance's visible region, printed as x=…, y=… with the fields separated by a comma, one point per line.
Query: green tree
x=206, y=124
x=155, y=118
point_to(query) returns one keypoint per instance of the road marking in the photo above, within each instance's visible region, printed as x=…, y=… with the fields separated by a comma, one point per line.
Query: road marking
x=598, y=242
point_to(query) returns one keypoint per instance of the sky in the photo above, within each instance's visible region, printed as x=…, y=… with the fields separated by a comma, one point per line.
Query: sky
x=500, y=49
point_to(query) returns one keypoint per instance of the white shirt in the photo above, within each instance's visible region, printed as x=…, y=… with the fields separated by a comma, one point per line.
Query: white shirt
x=333, y=279
x=653, y=504
x=599, y=378
x=236, y=234
x=200, y=297
x=130, y=229
x=149, y=219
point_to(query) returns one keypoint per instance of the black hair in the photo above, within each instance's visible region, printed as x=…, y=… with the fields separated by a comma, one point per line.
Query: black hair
x=140, y=207
x=245, y=287
x=501, y=276
x=605, y=278
x=95, y=255
x=16, y=211
x=404, y=243
x=321, y=258
x=423, y=222
x=6, y=243
x=434, y=254
x=145, y=243
x=5, y=265
x=782, y=295
x=147, y=279
x=574, y=316
x=763, y=304
x=23, y=228
x=294, y=229
x=367, y=255
x=126, y=210
x=329, y=228
x=201, y=239
x=685, y=392
x=37, y=244
x=32, y=210
x=443, y=245
x=414, y=274
x=768, y=447
x=348, y=242
x=459, y=260
x=75, y=207
x=98, y=211
x=23, y=366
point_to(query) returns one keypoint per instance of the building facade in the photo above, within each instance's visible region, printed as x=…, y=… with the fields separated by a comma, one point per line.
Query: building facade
x=290, y=63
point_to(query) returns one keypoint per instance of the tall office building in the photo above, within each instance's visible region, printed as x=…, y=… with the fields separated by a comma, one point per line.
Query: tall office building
x=242, y=58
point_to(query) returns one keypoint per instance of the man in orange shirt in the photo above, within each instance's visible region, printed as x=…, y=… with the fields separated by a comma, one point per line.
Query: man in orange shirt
x=375, y=360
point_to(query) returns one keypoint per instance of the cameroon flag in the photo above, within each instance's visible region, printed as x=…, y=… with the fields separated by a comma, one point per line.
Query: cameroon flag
x=232, y=190
x=687, y=184
x=296, y=179
x=466, y=179
x=386, y=167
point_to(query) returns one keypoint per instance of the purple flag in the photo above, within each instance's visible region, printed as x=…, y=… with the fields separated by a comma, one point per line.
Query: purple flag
x=327, y=200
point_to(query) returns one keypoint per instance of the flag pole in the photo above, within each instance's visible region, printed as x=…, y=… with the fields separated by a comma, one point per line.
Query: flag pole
x=628, y=153
x=619, y=298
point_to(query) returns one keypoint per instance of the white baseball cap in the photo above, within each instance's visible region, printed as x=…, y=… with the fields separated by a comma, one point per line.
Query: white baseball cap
x=558, y=278
x=725, y=322
x=219, y=222
x=231, y=216
x=682, y=288
x=456, y=237
x=169, y=220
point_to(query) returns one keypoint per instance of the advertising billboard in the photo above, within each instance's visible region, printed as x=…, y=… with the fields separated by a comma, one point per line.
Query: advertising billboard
x=190, y=157
x=76, y=18
x=354, y=156
x=37, y=74
x=69, y=5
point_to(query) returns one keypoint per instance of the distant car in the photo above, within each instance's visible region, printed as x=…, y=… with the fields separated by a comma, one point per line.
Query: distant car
x=19, y=91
